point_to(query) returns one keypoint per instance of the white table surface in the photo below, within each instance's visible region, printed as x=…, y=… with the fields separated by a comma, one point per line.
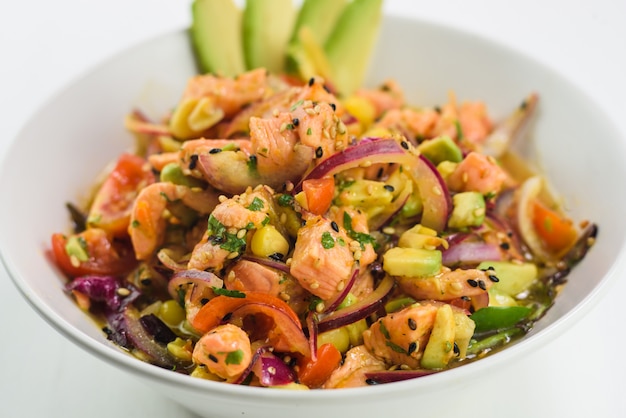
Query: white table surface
x=46, y=44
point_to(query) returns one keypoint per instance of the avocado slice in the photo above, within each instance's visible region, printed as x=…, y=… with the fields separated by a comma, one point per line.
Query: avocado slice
x=216, y=37
x=319, y=15
x=267, y=28
x=440, y=347
x=514, y=278
x=350, y=44
x=305, y=56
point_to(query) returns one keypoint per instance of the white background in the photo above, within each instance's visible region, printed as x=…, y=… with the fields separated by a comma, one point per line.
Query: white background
x=46, y=44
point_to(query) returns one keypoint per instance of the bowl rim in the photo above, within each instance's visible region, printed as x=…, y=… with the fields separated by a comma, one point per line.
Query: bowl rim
x=434, y=382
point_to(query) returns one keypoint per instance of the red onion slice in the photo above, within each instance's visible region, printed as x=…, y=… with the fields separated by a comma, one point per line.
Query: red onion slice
x=368, y=150
x=470, y=252
x=359, y=310
x=272, y=371
x=332, y=305
x=267, y=262
x=434, y=193
x=184, y=278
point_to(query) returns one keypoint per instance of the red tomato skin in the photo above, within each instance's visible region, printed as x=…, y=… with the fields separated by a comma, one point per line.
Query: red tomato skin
x=106, y=257
x=113, y=202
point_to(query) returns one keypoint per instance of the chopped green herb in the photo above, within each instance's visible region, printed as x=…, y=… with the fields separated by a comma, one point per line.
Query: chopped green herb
x=395, y=347
x=256, y=205
x=309, y=131
x=285, y=200
x=361, y=237
x=459, y=130
x=341, y=241
x=218, y=235
x=234, y=357
x=384, y=330
x=328, y=241
x=230, y=293
x=295, y=105
x=252, y=165
x=135, y=223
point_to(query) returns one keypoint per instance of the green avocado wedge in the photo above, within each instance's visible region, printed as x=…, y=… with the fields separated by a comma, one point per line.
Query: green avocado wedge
x=315, y=21
x=267, y=28
x=216, y=37
x=349, y=46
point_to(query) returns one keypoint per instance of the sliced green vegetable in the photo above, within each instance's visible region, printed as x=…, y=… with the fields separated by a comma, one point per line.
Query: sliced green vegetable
x=499, y=317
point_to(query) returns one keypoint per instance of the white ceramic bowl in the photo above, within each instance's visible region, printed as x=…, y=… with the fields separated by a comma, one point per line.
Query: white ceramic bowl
x=69, y=140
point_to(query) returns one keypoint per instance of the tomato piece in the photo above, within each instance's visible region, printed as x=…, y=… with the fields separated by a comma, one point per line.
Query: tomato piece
x=212, y=313
x=100, y=254
x=274, y=319
x=314, y=373
x=113, y=202
x=319, y=194
x=558, y=233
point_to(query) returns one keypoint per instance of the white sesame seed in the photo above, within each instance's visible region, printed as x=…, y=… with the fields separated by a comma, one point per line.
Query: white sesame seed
x=242, y=233
x=314, y=285
x=389, y=230
x=319, y=308
x=122, y=291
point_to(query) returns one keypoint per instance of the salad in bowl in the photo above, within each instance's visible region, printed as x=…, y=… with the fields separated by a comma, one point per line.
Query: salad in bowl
x=286, y=229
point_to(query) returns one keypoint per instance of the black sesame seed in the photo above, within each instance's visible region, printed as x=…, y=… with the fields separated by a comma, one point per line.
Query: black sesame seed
x=466, y=298
x=319, y=152
x=227, y=317
x=215, y=150
x=213, y=358
x=404, y=144
x=370, y=382
x=327, y=88
x=523, y=105
x=412, y=348
x=493, y=278
x=295, y=121
x=482, y=285
x=204, y=301
x=505, y=246
x=146, y=282
x=437, y=109
x=277, y=256
x=334, y=226
x=380, y=173
x=456, y=349
x=311, y=81
x=472, y=282
x=412, y=324
x=389, y=187
x=107, y=330
x=193, y=161
x=333, y=106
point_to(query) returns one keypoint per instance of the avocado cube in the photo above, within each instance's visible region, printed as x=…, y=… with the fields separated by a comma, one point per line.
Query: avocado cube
x=412, y=262
x=468, y=211
x=439, y=149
